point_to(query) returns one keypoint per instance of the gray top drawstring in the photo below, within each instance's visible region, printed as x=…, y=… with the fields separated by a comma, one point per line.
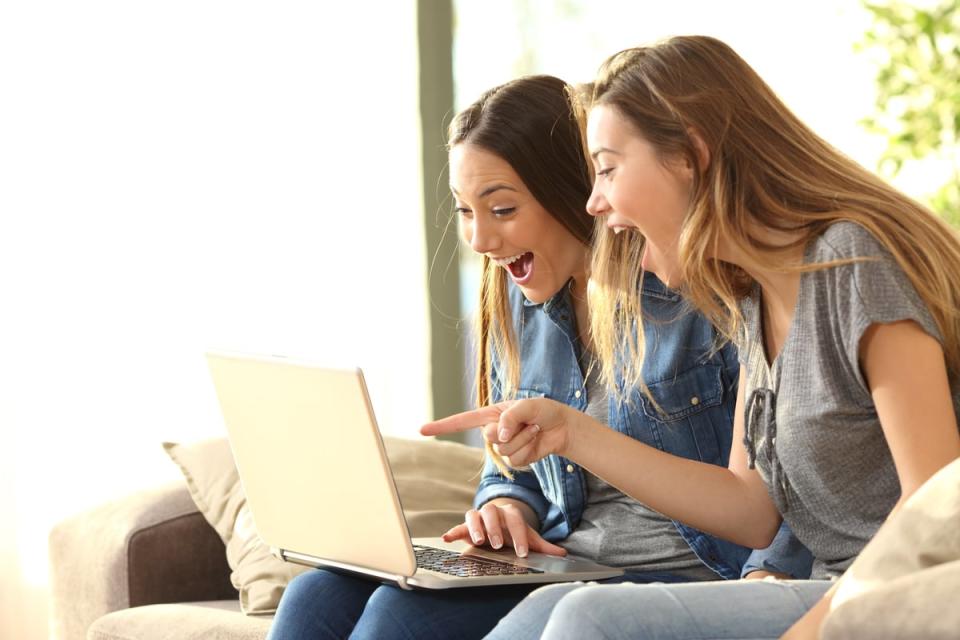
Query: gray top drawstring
x=761, y=415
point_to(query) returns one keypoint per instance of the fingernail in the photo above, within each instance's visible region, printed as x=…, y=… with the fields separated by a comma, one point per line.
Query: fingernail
x=522, y=551
x=504, y=435
x=496, y=542
x=477, y=537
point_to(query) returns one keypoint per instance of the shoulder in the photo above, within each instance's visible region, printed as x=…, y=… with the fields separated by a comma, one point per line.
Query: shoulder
x=845, y=239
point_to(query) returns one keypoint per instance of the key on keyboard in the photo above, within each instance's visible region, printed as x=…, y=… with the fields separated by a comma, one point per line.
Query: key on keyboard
x=455, y=564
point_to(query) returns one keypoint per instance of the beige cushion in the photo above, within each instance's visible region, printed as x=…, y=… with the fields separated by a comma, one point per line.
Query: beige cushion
x=435, y=480
x=218, y=620
x=905, y=581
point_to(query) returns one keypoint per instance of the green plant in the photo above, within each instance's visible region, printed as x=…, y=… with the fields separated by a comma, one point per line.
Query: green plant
x=918, y=90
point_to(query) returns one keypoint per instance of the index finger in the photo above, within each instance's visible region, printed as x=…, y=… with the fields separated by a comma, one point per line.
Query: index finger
x=464, y=421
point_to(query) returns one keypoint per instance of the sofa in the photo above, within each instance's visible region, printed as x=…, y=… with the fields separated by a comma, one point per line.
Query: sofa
x=157, y=564
x=168, y=562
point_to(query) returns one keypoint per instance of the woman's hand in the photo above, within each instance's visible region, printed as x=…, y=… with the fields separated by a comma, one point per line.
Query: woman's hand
x=521, y=431
x=760, y=574
x=503, y=522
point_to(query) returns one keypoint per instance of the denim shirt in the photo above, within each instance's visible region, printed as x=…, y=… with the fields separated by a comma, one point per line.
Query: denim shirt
x=695, y=389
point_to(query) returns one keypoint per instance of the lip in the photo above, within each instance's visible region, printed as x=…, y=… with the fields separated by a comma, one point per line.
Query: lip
x=505, y=261
x=618, y=225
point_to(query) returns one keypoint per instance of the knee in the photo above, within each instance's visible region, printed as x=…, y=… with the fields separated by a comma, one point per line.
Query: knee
x=308, y=588
x=530, y=616
x=615, y=611
x=386, y=599
x=578, y=614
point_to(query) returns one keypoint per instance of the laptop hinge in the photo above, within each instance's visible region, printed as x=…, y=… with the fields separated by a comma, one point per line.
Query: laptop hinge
x=320, y=563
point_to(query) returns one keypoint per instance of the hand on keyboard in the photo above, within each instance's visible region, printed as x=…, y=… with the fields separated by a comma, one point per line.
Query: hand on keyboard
x=501, y=522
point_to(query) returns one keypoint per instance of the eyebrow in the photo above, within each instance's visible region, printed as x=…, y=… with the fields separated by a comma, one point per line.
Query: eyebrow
x=489, y=190
x=594, y=154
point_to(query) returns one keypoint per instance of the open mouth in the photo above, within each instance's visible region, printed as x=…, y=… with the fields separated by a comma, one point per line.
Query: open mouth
x=618, y=228
x=519, y=266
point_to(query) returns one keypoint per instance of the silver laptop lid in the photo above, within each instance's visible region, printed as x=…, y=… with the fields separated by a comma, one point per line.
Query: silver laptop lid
x=311, y=461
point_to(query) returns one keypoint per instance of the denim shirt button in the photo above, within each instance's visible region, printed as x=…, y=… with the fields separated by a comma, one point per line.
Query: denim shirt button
x=577, y=393
x=694, y=400
x=569, y=468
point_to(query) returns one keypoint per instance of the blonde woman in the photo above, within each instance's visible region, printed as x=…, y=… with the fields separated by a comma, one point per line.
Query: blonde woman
x=842, y=295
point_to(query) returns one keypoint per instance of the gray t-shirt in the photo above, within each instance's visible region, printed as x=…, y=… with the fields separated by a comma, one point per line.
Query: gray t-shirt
x=618, y=531
x=810, y=417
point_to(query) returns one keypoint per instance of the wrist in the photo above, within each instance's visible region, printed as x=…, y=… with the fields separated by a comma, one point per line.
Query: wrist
x=575, y=427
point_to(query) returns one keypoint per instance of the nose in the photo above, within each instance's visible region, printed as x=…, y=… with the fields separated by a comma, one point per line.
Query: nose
x=483, y=235
x=597, y=205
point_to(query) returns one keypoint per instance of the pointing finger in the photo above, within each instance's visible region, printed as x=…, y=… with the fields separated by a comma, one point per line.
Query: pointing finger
x=464, y=421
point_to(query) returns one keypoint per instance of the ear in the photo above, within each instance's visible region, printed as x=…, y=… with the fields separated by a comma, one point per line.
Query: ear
x=700, y=148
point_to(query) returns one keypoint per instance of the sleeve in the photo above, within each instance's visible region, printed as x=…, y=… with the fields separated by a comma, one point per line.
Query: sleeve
x=785, y=554
x=873, y=290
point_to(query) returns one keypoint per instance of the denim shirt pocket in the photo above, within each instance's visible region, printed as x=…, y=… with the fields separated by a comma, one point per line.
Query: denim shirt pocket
x=690, y=409
x=523, y=394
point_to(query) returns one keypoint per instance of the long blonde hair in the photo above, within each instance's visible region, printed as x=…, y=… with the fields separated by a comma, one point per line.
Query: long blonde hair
x=535, y=124
x=765, y=166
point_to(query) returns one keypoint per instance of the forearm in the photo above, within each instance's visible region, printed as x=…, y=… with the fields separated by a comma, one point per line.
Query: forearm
x=708, y=497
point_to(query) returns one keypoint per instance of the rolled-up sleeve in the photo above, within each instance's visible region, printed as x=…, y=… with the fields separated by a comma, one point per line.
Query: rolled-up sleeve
x=785, y=554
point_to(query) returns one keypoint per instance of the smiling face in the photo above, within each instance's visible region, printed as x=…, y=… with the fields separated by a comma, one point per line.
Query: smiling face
x=499, y=218
x=634, y=188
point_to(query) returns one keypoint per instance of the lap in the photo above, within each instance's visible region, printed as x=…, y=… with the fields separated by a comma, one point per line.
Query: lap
x=464, y=613
x=329, y=604
x=320, y=604
x=741, y=609
x=529, y=617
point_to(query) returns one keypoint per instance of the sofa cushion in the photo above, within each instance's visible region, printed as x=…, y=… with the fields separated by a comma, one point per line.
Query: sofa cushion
x=220, y=620
x=435, y=480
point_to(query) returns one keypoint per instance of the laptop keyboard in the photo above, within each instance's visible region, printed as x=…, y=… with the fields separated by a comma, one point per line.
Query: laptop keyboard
x=456, y=564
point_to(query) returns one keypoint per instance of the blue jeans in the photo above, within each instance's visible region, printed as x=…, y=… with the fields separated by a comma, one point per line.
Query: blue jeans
x=734, y=610
x=327, y=604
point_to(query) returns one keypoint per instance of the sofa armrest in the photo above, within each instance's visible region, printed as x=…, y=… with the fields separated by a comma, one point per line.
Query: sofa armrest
x=148, y=548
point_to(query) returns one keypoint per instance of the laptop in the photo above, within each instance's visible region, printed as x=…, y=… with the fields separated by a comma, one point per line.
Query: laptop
x=319, y=487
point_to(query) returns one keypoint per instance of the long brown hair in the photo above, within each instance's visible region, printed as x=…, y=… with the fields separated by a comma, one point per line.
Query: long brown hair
x=535, y=125
x=765, y=166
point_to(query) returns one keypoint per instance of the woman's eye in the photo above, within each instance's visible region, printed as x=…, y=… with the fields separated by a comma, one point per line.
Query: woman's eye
x=605, y=172
x=463, y=211
x=504, y=212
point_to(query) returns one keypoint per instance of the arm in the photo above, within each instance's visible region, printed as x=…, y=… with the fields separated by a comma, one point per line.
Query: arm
x=730, y=503
x=905, y=370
